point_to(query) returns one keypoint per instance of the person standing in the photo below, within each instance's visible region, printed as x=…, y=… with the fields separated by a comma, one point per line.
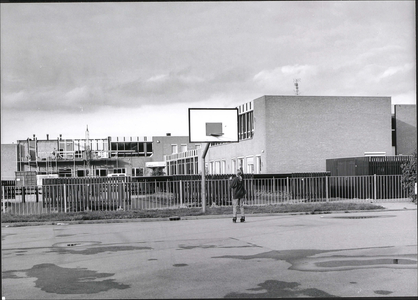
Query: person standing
x=237, y=186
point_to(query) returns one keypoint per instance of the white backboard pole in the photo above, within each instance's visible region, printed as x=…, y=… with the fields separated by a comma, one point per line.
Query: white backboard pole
x=212, y=125
x=205, y=151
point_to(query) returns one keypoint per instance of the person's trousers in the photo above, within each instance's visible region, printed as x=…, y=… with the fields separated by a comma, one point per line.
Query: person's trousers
x=235, y=203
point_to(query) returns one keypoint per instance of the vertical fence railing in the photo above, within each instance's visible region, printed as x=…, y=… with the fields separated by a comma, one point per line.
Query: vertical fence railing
x=147, y=195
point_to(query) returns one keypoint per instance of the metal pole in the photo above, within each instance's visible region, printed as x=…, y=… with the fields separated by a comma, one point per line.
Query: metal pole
x=375, y=187
x=205, y=151
x=65, y=200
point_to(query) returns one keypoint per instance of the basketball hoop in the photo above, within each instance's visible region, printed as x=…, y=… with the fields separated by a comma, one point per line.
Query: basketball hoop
x=216, y=134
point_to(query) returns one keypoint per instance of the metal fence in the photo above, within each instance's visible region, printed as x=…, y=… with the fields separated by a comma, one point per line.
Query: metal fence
x=153, y=194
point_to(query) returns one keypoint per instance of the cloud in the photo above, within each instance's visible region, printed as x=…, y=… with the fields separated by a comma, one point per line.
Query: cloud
x=395, y=70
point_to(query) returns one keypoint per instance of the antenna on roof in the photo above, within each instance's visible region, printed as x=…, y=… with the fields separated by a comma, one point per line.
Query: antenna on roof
x=296, y=82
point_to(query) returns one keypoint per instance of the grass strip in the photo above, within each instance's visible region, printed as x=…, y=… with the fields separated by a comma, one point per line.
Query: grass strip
x=307, y=208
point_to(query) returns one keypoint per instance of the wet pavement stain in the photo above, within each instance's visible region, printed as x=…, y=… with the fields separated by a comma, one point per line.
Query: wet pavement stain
x=382, y=292
x=287, y=255
x=54, y=279
x=63, y=235
x=180, y=265
x=280, y=289
x=382, y=261
x=190, y=247
x=11, y=275
x=303, y=260
x=183, y=247
x=95, y=250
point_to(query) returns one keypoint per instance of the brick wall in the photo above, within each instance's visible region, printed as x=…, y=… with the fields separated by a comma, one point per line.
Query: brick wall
x=406, y=129
x=8, y=161
x=304, y=131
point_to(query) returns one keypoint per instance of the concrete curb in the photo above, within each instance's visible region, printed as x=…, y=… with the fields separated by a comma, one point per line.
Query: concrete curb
x=176, y=218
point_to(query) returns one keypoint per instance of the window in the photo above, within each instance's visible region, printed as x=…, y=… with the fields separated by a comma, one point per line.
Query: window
x=393, y=131
x=137, y=171
x=234, y=166
x=240, y=164
x=223, y=167
x=101, y=172
x=174, y=149
x=127, y=149
x=246, y=125
x=250, y=165
x=119, y=170
x=217, y=167
x=149, y=148
x=183, y=148
x=198, y=146
x=82, y=173
x=258, y=164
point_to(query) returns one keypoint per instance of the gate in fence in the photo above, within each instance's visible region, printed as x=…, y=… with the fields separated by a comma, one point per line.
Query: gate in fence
x=120, y=194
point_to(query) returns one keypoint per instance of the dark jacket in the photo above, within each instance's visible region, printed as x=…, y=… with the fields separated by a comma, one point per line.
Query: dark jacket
x=237, y=185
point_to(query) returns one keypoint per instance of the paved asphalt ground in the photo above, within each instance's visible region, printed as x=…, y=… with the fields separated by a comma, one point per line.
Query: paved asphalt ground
x=358, y=254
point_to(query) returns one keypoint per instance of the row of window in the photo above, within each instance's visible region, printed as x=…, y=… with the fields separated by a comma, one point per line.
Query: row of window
x=183, y=166
x=246, y=125
x=249, y=165
x=175, y=148
x=99, y=172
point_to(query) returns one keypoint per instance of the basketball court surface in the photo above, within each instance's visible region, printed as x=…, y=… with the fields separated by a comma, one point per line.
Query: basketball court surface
x=359, y=254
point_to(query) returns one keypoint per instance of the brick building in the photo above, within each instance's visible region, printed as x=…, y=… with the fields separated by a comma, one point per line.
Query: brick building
x=405, y=129
x=133, y=156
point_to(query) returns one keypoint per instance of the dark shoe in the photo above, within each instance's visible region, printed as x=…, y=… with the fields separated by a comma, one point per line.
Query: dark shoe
x=234, y=220
x=242, y=219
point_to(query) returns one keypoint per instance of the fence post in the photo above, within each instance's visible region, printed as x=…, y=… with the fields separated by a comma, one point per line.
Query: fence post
x=326, y=188
x=65, y=199
x=36, y=194
x=287, y=189
x=375, y=186
x=3, y=198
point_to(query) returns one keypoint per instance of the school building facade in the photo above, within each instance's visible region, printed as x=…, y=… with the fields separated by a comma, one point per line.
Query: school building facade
x=297, y=134
x=277, y=135
x=130, y=156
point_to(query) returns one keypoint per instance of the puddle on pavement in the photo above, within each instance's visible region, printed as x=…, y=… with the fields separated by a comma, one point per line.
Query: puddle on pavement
x=279, y=289
x=350, y=262
x=232, y=243
x=180, y=265
x=51, y=278
x=361, y=217
x=85, y=248
x=382, y=292
x=307, y=260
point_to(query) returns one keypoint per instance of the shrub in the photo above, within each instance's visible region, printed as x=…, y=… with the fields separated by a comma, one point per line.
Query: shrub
x=409, y=176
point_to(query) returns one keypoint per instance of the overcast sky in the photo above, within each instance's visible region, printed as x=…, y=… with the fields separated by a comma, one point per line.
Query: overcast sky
x=134, y=69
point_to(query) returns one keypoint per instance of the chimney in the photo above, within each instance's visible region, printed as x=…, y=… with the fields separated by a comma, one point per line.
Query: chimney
x=168, y=134
x=33, y=136
x=47, y=137
x=60, y=136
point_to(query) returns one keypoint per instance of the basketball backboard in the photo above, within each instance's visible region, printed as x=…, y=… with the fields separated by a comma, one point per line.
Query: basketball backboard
x=213, y=125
